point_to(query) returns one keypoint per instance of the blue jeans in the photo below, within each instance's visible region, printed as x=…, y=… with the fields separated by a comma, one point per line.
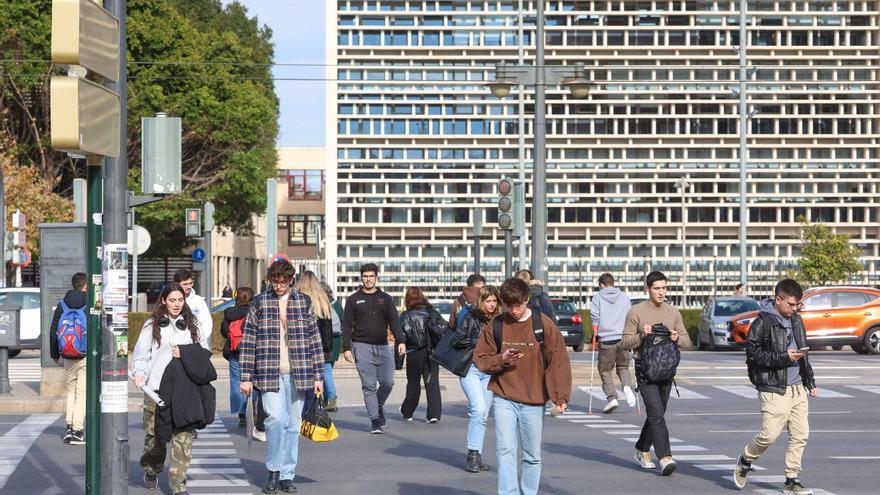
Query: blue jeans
x=237, y=400
x=516, y=422
x=475, y=386
x=329, y=384
x=283, y=408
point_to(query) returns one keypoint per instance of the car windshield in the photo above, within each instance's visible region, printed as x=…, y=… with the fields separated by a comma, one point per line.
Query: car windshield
x=564, y=307
x=730, y=308
x=444, y=308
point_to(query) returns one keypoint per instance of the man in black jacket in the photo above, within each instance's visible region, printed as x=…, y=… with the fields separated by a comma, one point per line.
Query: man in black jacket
x=74, y=367
x=369, y=313
x=780, y=369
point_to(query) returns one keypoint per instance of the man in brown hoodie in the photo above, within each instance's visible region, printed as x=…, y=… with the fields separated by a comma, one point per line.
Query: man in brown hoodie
x=529, y=365
x=468, y=295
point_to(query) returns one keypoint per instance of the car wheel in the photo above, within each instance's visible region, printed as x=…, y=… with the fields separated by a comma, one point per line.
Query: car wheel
x=15, y=352
x=871, y=344
x=836, y=347
x=578, y=348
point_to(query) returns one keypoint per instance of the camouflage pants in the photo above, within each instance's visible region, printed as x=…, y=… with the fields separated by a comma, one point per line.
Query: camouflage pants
x=153, y=460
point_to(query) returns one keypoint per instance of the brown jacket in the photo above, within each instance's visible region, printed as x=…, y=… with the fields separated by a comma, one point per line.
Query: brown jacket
x=470, y=295
x=646, y=313
x=525, y=380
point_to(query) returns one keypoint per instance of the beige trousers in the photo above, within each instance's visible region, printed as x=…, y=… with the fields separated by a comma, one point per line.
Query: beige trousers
x=778, y=412
x=75, y=383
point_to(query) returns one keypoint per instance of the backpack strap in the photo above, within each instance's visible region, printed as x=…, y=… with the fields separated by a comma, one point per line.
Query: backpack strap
x=497, y=325
x=537, y=328
x=64, y=307
x=461, y=300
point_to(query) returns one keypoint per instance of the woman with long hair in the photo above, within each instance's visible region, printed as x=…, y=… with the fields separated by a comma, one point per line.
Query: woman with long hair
x=172, y=324
x=309, y=285
x=233, y=319
x=475, y=384
x=421, y=324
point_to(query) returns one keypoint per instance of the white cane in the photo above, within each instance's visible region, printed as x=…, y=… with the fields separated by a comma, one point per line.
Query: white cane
x=592, y=369
x=637, y=391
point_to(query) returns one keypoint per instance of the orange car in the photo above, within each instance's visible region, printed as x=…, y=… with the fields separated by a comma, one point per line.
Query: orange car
x=834, y=316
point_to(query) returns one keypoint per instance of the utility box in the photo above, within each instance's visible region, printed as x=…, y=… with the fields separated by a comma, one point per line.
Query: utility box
x=160, y=154
x=9, y=325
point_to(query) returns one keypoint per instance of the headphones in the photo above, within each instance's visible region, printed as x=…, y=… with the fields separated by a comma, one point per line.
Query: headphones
x=180, y=324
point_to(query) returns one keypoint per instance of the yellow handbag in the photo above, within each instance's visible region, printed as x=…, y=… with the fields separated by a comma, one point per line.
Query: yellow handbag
x=317, y=425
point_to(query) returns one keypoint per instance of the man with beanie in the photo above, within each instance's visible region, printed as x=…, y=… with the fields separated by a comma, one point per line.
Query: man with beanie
x=608, y=311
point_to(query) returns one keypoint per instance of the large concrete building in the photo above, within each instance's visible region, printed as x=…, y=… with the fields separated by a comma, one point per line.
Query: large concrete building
x=416, y=143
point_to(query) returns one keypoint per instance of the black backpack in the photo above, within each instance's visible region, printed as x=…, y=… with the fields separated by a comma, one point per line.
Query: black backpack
x=659, y=356
x=537, y=327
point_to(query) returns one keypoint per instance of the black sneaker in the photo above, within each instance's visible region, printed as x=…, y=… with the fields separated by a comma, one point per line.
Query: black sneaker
x=68, y=434
x=793, y=486
x=741, y=472
x=151, y=481
x=376, y=428
x=77, y=438
x=382, y=416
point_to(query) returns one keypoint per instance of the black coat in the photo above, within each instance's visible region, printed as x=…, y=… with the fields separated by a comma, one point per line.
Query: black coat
x=423, y=327
x=325, y=329
x=229, y=315
x=767, y=354
x=190, y=399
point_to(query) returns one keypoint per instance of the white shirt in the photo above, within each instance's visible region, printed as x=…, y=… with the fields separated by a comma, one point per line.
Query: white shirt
x=150, y=359
x=202, y=313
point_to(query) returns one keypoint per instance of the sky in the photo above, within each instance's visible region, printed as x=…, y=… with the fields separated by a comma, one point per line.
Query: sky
x=298, y=33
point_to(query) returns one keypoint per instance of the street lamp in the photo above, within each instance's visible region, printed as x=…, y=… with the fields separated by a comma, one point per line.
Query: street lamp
x=539, y=76
x=682, y=185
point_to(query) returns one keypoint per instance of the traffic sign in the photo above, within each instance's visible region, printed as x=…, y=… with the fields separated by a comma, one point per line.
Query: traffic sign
x=84, y=33
x=199, y=266
x=25, y=257
x=199, y=254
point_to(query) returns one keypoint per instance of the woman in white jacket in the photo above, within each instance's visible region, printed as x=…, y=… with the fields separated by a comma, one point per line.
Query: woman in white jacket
x=171, y=324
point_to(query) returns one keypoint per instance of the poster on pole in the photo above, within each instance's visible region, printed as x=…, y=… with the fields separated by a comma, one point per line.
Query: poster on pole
x=115, y=274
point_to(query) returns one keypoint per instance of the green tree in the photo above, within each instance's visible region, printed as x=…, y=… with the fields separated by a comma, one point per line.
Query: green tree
x=825, y=256
x=194, y=59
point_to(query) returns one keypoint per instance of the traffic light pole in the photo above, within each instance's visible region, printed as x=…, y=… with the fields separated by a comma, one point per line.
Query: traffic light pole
x=93, y=328
x=114, y=362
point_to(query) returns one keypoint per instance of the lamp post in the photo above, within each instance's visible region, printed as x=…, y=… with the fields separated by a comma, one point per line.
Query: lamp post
x=743, y=129
x=682, y=185
x=539, y=76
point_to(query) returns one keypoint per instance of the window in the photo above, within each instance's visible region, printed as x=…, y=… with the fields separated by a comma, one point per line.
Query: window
x=302, y=230
x=818, y=301
x=303, y=185
x=849, y=299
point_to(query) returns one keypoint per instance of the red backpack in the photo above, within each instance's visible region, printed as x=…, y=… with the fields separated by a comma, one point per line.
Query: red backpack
x=235, y=334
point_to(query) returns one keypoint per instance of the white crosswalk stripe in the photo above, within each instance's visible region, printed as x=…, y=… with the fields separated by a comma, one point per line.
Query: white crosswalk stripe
x=687, y=394
x=874, y=389
x=746, y=391
x=215, y=465
x=25, y=370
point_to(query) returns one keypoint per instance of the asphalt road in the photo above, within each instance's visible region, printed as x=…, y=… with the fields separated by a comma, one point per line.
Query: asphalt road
x=715, y=417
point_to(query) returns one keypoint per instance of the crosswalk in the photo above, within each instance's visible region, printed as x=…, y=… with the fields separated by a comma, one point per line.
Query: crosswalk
x=216, y=466
x=25, y=370
x=746, y=391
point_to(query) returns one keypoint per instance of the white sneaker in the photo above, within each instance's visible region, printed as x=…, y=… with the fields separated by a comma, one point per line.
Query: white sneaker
x=258, y=435
x=644, y=460
x=630, y=396
x=667, y=465
x=611, y=406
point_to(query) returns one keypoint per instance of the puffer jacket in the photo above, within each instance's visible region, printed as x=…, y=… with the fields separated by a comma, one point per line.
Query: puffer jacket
x=423, y=327
x=767, y=354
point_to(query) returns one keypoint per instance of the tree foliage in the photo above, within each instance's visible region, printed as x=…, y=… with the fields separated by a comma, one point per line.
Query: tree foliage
x=194, y=59
x=826, y=257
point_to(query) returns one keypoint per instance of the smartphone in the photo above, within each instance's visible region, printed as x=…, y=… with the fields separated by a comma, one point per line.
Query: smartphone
x=803, y=349
x=514, y=350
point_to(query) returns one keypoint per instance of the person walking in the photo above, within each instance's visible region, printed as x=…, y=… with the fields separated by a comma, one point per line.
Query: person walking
x=468, y=296
x=369, y=313
x=330, y=393
x=171, y=326
x=776, y=355
x=309, y=285
x=196, y=303
x=281, y=355
x=608, y=311
x=525, y=353
x=231, y=330
x=422, y=327
x=639, y=325
x=475, y=384
x=538, y=299
x=69, y=319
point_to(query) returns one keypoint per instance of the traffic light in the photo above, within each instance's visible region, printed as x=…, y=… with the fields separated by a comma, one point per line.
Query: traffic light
x=193, y=222
x=505, y=204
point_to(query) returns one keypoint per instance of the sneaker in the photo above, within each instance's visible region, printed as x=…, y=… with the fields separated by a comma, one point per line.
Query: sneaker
x=376, y=427
x=400, y=409
x=741, y=472
x=667, y=465
x=611, y=406
x=68, y=434
x=151, y=481
x=432, y=421
x=77, y=438
x=644, y=460
x=382, y=416
x=793, y=486
x=258, y=435
x=630, y=396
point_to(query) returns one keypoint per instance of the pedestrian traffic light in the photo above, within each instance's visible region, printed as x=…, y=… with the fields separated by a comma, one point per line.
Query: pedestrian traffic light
x=505, y=204
x=193, y=222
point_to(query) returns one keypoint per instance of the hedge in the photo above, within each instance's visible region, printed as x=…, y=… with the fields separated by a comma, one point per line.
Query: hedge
x=136, y=322
x=690, y=318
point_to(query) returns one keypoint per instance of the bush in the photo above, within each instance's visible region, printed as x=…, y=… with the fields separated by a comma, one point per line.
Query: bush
x=136, y=322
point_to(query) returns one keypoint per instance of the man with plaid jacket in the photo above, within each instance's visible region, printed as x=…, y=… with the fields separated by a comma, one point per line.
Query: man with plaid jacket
x=281, y=355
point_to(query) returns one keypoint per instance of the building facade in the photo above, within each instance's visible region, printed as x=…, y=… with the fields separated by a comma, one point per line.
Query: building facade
x=416, y=143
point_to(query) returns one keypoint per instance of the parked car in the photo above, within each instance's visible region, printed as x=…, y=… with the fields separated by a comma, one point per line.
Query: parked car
x=637, y=300
x=152, y=290
x=834, y=316
x=570, y=323
x=442, y=306
x=714, y=329
x=29, y=300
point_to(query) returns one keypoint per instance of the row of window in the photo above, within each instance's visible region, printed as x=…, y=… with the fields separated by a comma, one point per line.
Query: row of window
x=303, y=185
x=302, y=230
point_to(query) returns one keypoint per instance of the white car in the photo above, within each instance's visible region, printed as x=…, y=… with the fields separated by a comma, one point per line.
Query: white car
x=29, y=300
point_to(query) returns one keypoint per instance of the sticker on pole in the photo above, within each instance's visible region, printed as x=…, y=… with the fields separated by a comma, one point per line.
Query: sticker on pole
x=114, y=397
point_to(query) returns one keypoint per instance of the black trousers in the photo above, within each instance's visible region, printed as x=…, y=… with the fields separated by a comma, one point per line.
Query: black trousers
x=421, y=369
x=654, y=431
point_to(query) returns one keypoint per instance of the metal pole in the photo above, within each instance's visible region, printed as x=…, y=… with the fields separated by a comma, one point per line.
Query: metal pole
x=478, y=229
x=134, y=262
x=521, y=226
x=113, y=466
x=508, y=254
x=272, y=219
x=4, y=371
x=3, y=229
x=684, y=185
x=93, y=328
x=539, y=172
x=743, y=130
x=209, y=267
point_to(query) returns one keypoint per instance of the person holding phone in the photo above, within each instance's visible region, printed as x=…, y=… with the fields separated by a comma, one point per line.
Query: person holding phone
x=776, y=355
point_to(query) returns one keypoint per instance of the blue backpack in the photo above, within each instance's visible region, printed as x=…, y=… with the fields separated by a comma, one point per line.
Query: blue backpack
x=71, y=331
